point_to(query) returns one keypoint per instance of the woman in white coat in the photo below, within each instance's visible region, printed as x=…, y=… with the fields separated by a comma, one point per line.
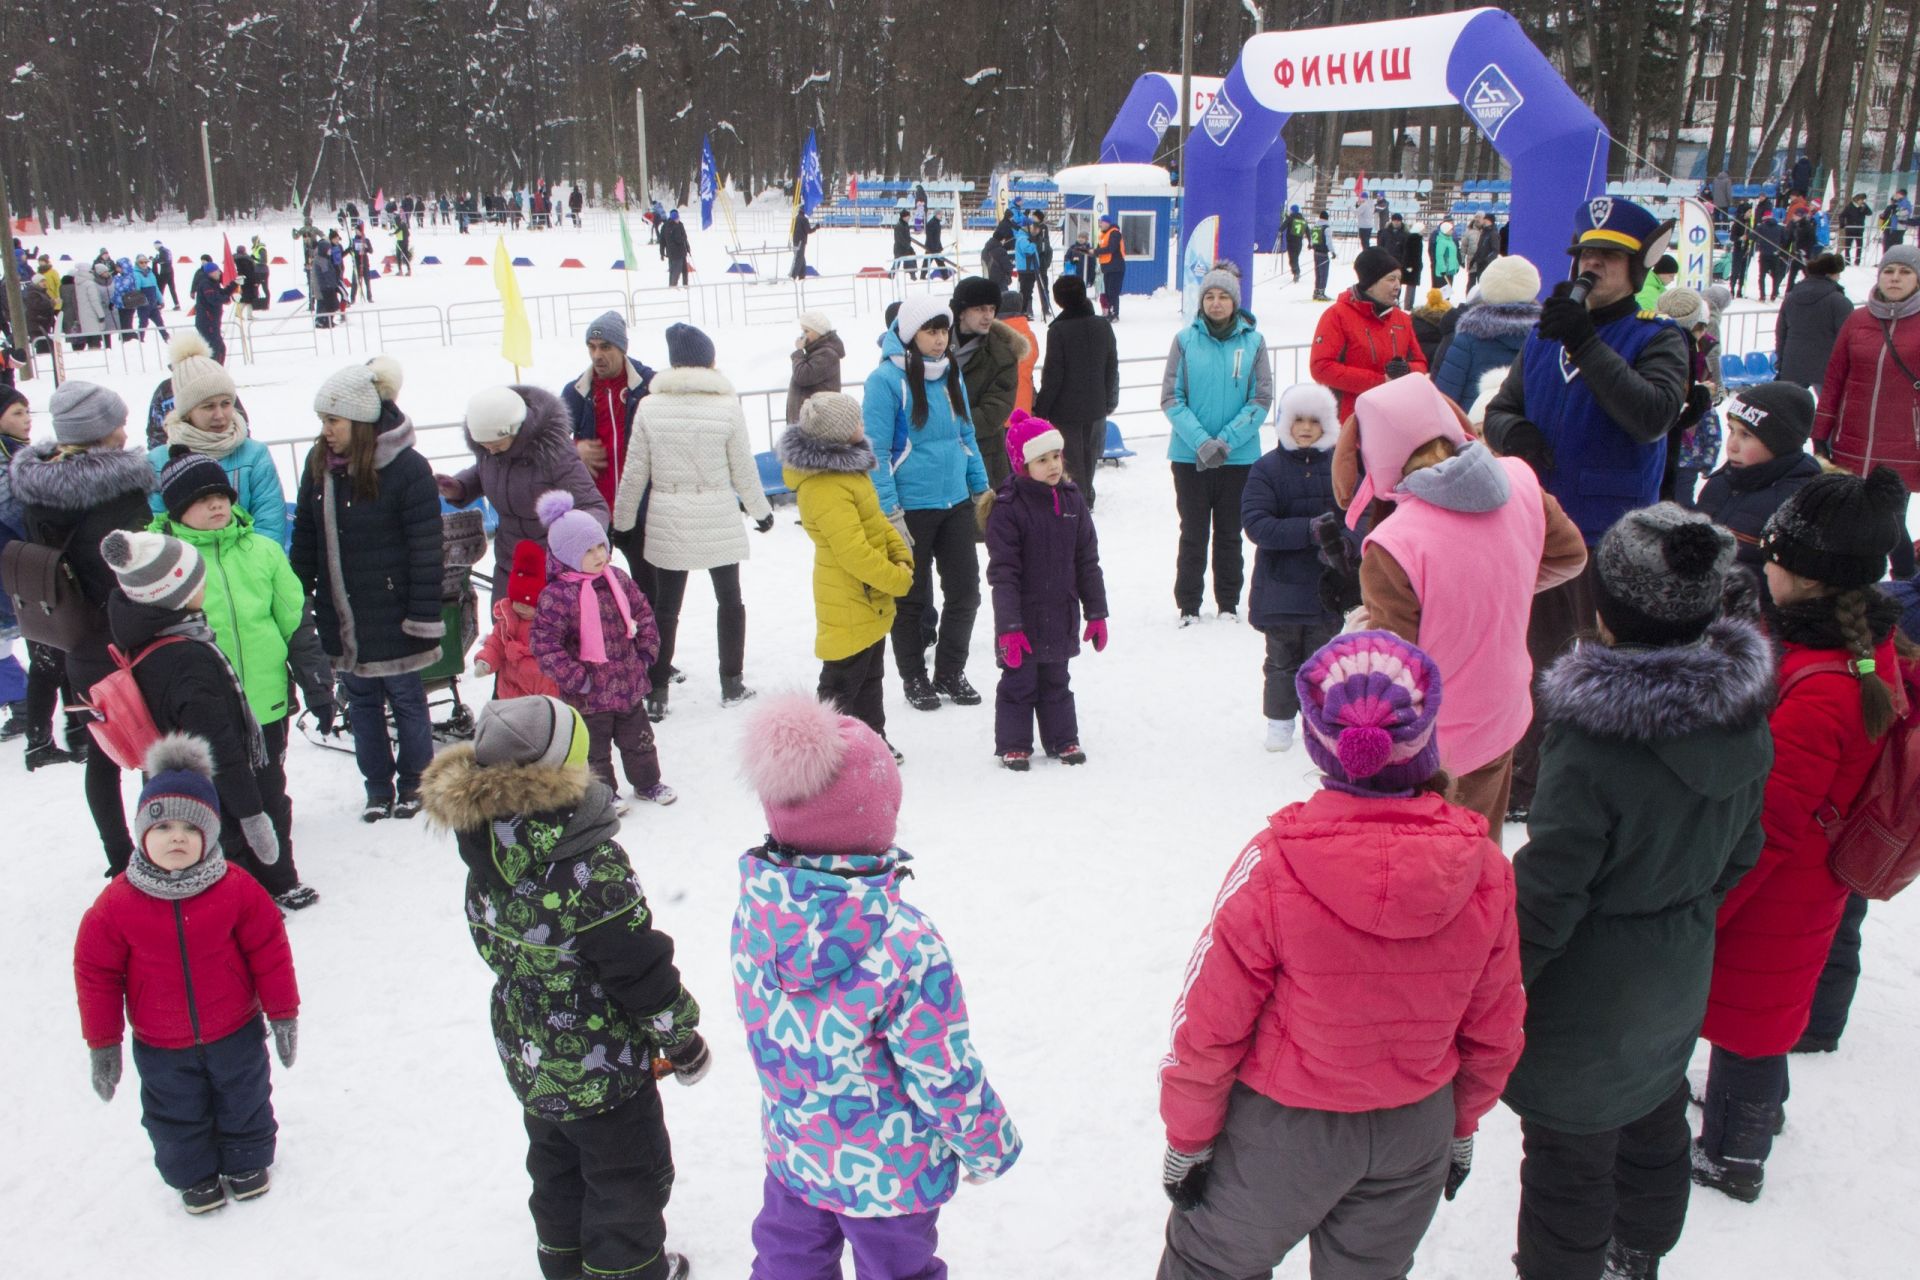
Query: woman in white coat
x=690, y=449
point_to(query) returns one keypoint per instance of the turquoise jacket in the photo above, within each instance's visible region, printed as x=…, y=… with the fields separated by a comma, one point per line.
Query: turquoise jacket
x=255, y=479
x=1217, y=388
x=925, y=468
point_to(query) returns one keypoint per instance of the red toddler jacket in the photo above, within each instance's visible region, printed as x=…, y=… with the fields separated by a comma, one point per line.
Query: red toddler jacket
x=1362, y=954
x=517, y=674
x=186, y=972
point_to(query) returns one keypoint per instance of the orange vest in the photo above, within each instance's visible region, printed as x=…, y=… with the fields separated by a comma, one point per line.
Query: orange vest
x=1112, y=247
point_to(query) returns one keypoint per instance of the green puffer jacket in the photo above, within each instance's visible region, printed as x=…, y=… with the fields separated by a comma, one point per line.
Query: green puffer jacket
x=253, y=604
x=585, y=989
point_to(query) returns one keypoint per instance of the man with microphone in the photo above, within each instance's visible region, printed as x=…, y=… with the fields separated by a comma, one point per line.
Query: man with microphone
x=1588, y=406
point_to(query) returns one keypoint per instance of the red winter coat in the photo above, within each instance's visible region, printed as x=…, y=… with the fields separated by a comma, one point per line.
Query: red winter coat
x=1352, y=345
x=1778, y=922
x=508, y=650
x=1362, y=954
x=1869, y=410
x=186, y=972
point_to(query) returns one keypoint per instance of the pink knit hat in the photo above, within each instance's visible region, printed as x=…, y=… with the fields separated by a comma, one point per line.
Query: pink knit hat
x=1028, y=436
x=1396, y=418
x=827, y=782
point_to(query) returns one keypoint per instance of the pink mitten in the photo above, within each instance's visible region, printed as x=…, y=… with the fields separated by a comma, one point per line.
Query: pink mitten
x=1014, y=648
x=1096, y=634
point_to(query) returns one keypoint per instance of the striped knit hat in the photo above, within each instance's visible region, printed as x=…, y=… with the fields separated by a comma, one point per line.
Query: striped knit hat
x=179, y=788
x=1369, y=702
x=153, y=568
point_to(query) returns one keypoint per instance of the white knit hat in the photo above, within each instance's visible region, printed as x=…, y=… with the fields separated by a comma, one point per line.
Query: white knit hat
x=816, y=322
x=830, y=415
x=495, y=413
x=1510, y=279
x=153, y=568
x=915, y=312
x=197, y=377
x=356, y=392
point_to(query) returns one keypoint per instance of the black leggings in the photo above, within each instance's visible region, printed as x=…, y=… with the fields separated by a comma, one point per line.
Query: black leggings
x=670, y=589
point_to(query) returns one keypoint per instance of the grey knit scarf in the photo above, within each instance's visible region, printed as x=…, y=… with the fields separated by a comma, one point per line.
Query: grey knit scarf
x=176, y=886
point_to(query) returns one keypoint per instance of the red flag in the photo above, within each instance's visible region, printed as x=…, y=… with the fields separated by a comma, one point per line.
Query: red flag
x=1360, y=183
x=853, y=187
x=227, y=274
x=379, y=202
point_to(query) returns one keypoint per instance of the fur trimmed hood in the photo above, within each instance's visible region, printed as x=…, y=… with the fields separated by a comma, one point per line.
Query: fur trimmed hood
x=803, y=452
x=1725, y=681
x=459, y=795
x=81, y=481
x=1308, y=400
x=1013, y=338
x=1494, y=321
x=695, y=380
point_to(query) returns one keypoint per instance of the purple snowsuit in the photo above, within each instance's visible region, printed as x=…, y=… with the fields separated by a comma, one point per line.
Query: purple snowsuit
x=1043, y=566
x=610, y=696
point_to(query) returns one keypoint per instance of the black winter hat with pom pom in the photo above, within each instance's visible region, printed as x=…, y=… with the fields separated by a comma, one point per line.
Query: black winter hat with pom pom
x=1839, y=529
x=1660, y=573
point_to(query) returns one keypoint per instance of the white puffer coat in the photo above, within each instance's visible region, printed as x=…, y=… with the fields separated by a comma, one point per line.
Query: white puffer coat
x=690, y=447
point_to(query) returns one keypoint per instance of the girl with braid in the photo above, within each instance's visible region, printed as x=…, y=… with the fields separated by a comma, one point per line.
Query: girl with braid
x=1825, y=550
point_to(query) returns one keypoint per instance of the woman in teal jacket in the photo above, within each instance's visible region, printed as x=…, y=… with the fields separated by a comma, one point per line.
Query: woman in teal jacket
x=1216, y=392
x=930, y=480
x=205, y=420
x=1446, y=256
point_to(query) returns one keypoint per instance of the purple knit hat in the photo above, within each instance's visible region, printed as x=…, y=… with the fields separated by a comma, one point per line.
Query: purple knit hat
x=570, y=533
x=1369, y=702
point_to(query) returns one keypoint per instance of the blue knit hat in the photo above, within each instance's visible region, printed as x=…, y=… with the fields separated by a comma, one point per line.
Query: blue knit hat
x=179, y=788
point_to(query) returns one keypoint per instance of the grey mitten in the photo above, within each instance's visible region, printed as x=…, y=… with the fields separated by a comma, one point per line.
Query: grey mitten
x=898, y=519
x=105, y=1064
x=1459, y=1164
x=1211, y=453
x=260, y=838
x=286, y=1039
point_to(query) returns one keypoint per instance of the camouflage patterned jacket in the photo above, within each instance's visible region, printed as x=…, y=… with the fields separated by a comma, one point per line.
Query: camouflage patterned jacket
x=585, y=988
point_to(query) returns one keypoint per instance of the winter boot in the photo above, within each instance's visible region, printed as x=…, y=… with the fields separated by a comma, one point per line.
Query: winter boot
x=1189, y=619
x=45, y=753
x=1811, y=1043
x=659, y=793
x=1072, y=754
x=16, y=725
x=248, y=1185
x=921, y=695
x=733, y=691
x=956, y=687
x=298, y=898
x=204, y=1197
x=407, y=806
x=1279, y=735
x=678, y=1268
x=657, y=705
x=1630, y=1264
x=1740, y=1179
x=898, y=757
x=374, y=810
x=1016, y=761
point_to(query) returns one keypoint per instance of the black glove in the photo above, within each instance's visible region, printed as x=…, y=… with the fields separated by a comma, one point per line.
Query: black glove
x=1566, y=322
x=1524, y=441
x=1184, y=1177
x=323, y=719
x=764, y=524
x=1398, y=368
x=105, y=1065
x=1823, y=449
x=1459, y=1164
x=1340, y=564
x=690, y=1059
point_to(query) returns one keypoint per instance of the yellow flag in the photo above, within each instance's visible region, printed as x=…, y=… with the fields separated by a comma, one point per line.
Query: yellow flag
x=516, y=334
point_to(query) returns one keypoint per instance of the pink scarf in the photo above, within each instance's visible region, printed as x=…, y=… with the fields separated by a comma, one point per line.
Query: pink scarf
x=593, y=642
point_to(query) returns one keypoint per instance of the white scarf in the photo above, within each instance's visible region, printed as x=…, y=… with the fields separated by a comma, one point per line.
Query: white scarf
x=182, y=431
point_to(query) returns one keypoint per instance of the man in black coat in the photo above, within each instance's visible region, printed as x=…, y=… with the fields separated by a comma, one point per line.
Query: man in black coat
x=935, y=245
x=1486, y=248
x=903, y=245
x=1853, y=227
x=1393, y=238
x=675, y=248
x=1080, y=381
x=801, y=230
x=1771, y=237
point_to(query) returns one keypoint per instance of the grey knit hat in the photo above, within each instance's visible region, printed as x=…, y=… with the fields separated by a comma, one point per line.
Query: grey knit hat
x=829, y=415
x=1683, y=306
x=688, y=348
x=357, y=391
x=1661, y=572
x=1224, y=276
x=609, y=326
x=153, y=568
x=1902, y=255
x=85, y=412
x=529, y=731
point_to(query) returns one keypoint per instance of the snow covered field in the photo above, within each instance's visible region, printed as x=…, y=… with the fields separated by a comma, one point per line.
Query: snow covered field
x=1070, y=897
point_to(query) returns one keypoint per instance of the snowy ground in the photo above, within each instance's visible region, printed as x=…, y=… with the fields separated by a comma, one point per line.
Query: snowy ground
x=1071, y=898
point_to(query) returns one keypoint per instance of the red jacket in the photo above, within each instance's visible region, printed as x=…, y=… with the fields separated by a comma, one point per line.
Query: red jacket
x=1778, y=922
x=1352, y=345
x=1869, y=410
x=186, y=972
x=1362, y=954
x=516, y=672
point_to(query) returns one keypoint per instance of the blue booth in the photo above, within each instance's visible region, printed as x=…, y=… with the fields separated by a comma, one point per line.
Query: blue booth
x=1140, y=199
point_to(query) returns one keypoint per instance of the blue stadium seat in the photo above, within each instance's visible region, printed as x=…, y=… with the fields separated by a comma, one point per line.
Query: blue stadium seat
x=770, y=479
x=1116, y=446
x=1759, y=367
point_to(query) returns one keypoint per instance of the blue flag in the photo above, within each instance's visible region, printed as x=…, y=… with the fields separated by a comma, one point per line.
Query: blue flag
x=708, y=183
x=810, y=189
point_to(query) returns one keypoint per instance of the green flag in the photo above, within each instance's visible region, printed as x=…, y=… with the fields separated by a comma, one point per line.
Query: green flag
x=626, y=241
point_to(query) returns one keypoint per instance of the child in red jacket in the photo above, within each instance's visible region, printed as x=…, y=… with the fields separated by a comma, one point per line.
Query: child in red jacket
x=189, y=952
x=1825, y=548
x=1354, y=1005
x=507, y=652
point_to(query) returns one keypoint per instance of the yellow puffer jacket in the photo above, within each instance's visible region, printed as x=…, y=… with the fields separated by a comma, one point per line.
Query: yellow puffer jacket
x=860, y=563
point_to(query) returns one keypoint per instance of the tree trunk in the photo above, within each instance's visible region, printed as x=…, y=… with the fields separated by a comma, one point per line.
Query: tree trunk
x=1863, y=96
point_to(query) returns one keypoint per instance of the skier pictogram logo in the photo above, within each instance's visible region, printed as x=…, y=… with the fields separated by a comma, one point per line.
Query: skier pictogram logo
x=1221, y=118
x=1491, y=99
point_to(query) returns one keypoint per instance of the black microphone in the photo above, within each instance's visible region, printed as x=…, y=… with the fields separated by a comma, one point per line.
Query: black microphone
x=1582, y=286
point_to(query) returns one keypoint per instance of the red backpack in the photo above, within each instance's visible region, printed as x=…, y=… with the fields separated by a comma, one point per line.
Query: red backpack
x=123, y=727
x=1875, y=849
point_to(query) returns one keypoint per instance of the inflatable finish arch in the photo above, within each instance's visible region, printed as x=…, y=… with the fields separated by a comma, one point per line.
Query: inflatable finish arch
x=1480, y=58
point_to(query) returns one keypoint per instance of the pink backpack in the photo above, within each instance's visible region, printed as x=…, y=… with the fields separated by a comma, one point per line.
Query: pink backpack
x=123, y=727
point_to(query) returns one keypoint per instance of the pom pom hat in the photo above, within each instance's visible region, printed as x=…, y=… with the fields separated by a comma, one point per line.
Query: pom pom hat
x=827, y=783
x=570, y=533
x=1029, y=437
x=1660, y=574
x=1839, y=529
x=1369, y=703
x=179, y=789
x=153, y=568
x=528, y=577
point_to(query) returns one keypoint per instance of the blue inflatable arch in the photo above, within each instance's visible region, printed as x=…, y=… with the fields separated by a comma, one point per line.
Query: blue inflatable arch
x=1235, y=183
